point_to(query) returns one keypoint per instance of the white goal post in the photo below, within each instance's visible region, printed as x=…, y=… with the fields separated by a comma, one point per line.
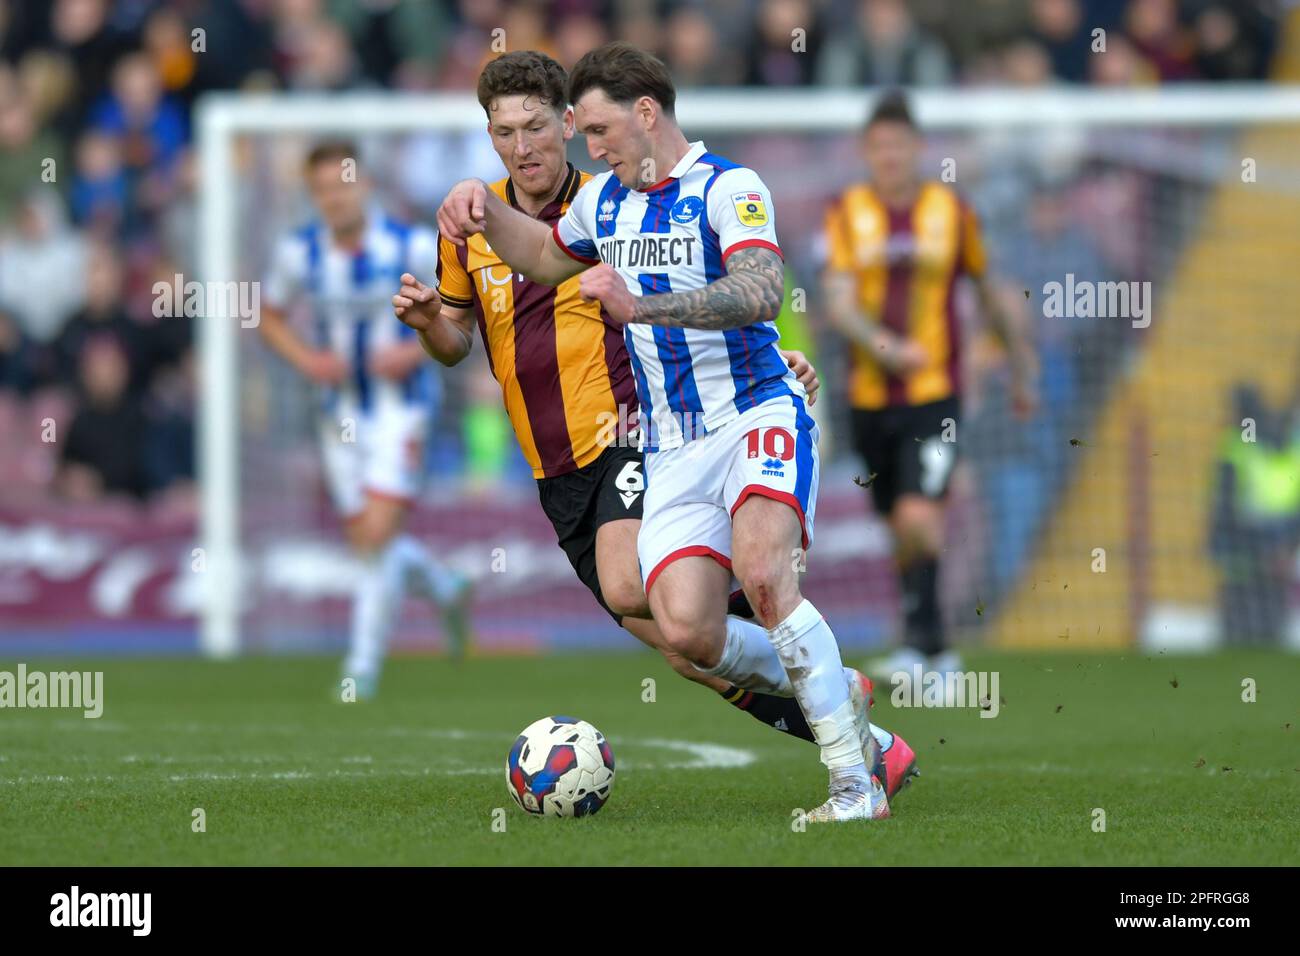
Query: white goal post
x=221, y=118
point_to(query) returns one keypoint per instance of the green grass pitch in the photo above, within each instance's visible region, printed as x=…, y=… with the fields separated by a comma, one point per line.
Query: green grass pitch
x=286, y=775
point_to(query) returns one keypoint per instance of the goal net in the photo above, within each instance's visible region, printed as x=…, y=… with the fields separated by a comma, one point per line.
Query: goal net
x=1146, y=241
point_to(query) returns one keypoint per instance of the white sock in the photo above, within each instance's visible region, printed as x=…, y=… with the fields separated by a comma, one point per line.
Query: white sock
x=425, y=575
x=811, y=657
x=749, y=661
x=374, y=611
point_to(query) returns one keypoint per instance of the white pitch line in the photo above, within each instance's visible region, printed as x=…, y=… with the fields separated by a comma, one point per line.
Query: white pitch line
x=703, y=756
x=706, y=756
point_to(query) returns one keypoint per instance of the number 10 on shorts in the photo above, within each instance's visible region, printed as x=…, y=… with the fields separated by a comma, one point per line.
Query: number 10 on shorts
x=775, y=443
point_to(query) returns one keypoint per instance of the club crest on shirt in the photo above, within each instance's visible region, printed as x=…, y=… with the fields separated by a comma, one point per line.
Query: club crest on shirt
x=750, y=209
x=687, y=209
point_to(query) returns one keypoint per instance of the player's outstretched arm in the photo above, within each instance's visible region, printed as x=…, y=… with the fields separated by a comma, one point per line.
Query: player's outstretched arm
x=446, y=333
x=750, y=292
x=524, y=244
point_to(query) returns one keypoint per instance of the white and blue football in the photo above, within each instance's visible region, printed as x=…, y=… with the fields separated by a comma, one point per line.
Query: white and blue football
x=560, y=767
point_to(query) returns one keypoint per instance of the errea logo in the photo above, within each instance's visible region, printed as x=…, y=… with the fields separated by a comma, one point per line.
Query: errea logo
x=103, y=909
x=606, y=211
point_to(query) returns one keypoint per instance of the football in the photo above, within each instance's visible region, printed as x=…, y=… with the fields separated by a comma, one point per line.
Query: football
x=560, y=767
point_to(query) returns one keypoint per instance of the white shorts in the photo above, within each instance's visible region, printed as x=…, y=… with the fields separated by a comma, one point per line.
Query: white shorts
x=692, y=491
x=379, y=454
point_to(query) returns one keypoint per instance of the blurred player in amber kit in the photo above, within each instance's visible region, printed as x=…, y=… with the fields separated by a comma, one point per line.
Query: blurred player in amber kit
x=377, y=393
x=895, y=248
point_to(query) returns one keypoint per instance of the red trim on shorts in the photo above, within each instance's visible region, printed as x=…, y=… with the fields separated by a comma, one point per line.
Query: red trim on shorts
x=747, y=243
x=763, y=491
x=690, y=551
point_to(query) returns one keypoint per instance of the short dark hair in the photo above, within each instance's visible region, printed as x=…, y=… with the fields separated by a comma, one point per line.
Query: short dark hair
x=626, y=74
x=328, y=150
x=892, y=108
x=526, y=72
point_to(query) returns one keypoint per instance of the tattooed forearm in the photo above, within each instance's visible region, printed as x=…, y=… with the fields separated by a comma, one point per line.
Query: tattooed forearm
x=751, y=291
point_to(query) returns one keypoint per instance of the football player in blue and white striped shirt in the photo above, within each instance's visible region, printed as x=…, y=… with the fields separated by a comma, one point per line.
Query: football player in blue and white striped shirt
x=378, y=393
x=679, y=245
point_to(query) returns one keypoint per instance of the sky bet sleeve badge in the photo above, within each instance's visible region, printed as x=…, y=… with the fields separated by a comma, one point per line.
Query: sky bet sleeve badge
x=750, y=209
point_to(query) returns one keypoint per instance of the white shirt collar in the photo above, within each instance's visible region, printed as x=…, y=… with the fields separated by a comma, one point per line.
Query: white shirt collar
x=697, y=150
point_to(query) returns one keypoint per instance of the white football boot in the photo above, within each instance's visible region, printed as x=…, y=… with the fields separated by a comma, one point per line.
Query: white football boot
x=946, y=665
x=851, y=801
x=901, y=660
x=945, y=662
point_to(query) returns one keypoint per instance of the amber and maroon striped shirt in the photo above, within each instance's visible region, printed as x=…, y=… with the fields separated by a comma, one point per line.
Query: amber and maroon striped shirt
x=561, y=364
x=906, y=263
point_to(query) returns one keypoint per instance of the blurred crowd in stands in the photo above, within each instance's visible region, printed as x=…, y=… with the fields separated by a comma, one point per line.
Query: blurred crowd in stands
x=97, y=173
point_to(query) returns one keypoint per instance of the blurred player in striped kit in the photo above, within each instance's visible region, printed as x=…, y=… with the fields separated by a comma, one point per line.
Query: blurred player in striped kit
x=377, y=394
x=895, y=248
